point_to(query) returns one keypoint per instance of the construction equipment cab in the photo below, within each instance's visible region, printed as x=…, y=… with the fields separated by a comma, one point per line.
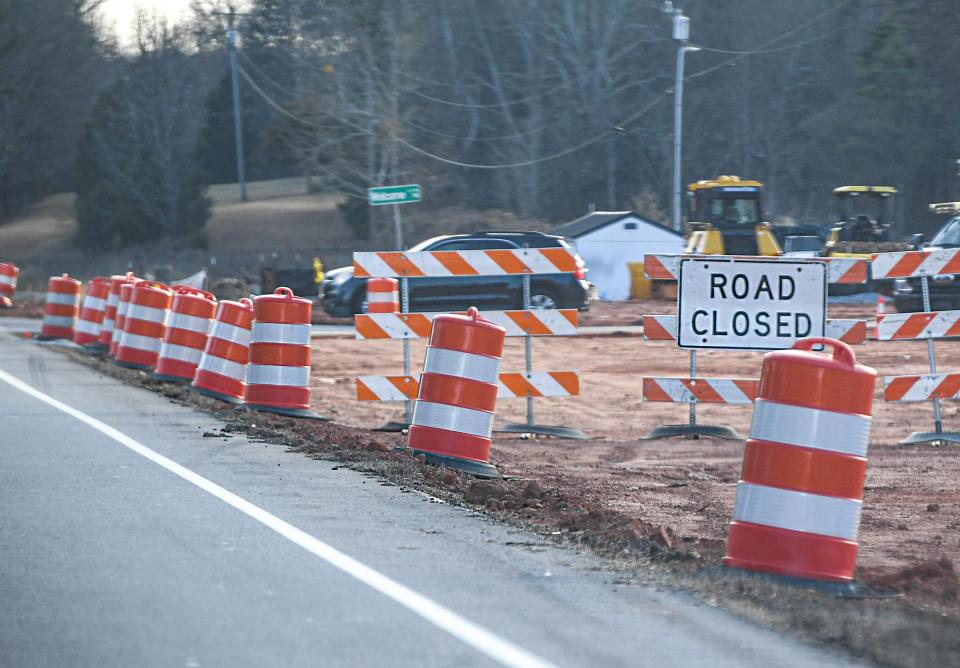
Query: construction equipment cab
x=864, y=222
x=726, y=218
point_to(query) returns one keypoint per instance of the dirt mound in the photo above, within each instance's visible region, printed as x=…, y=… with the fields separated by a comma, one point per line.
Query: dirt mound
x=934, y=580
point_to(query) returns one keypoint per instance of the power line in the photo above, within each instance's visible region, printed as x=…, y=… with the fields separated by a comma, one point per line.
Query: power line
x=448, y=161
x=759, y=48
x=527, y=163
x=779, y=49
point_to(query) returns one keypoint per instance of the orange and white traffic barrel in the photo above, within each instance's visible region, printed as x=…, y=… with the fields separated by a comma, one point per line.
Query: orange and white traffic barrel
x=62, y=308
x=278, y=378
x=797, y=509
x=191, y=316
x=222, y=370
x=110, y=311
x=453, y=415
x=144, y=325
x=91, y=315
x=383, y=295
x=8, y=283
x=126, y=292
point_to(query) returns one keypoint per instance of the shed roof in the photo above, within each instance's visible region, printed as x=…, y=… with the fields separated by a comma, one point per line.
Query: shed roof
x=597, y=219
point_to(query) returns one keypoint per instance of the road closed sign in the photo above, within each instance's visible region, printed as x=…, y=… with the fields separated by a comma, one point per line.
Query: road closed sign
x=750, y=304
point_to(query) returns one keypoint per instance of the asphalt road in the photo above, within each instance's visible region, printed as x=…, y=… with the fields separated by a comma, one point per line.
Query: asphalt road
x=129, y=539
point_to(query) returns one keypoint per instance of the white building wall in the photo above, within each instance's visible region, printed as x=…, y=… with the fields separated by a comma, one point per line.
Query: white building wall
x=608, y=249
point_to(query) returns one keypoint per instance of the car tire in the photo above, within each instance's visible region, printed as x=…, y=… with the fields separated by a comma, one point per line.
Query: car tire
x=543, y=298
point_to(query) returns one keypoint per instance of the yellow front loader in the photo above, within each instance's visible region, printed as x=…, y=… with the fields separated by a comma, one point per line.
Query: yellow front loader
x=726, y=218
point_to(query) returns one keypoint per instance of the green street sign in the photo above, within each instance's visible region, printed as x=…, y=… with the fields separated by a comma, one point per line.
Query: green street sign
x=393, y=195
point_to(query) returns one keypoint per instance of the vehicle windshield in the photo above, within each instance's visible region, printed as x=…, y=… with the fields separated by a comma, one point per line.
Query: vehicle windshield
x=949, y=236
x=734, y=211
x=425, y=243
x=805, y=243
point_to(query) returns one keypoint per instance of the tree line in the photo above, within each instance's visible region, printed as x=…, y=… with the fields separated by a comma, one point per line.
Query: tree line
x=542, y=108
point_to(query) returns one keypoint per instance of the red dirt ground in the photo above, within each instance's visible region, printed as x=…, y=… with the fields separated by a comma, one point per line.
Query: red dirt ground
x=911, y=515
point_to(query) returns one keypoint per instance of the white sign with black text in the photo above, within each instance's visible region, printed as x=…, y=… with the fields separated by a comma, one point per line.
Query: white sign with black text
x=750, y=304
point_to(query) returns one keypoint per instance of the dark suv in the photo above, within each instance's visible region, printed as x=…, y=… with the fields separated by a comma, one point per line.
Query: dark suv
x=344, y=295
x=944, y=290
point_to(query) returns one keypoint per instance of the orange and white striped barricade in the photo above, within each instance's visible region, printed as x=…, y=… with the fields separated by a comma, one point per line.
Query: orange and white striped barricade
x=191, y=316
x=529, y=322
x=278, y=376
x=62, y=309
x=797, y=509
x=383, y=295
x=222, y=370
x=145, y=323
x=110, y=311
x=91, y=315
x=694, y=389
x=453, y=415
x=8, y=283
x=930, y=325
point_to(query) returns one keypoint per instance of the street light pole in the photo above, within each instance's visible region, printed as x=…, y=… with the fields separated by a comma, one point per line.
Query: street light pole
x=681, y=33
x=237, y=119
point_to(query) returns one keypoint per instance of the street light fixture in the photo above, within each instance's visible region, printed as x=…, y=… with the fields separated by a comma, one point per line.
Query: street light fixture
x=681, y=33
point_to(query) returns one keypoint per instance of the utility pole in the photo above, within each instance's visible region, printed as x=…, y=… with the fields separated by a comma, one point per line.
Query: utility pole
x=681, y=33
x=237, y=118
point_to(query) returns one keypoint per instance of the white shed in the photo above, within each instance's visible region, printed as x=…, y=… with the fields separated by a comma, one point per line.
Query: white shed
x=608, y=240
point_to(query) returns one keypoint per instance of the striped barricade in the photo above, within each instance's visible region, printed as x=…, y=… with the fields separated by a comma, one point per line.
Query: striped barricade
x=693, y=390
x=900, y=326
x=561, y=322
x=526, y=322
x=925, y=387
x=700, y=390
x=839, y=269
x=510, y=386
x=395, y=264
x=664, y=328
x=926, y=325
x=907, y=264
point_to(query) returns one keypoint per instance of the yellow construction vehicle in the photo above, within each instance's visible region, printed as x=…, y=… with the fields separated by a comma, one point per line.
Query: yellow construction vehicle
x=726, y=218
x=864, y=222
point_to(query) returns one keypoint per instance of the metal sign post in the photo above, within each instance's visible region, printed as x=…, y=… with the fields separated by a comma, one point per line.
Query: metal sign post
x=405, y=308
x=395, y=195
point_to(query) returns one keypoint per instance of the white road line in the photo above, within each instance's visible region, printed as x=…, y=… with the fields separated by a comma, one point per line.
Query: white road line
x=486, y=642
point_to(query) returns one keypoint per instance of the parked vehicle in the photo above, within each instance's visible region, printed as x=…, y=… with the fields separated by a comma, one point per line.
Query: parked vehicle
x=945, y=289
x=803, y=246
x=345, y=295
x=726, y=218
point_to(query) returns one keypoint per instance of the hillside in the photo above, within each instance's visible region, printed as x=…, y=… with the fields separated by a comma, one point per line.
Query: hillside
x=281, y=225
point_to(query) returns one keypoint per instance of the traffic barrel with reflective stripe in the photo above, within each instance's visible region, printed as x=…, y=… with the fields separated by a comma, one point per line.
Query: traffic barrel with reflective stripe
x=126, y=292
x=191, y=316
x=453, y=415
x=62, y=308
x=91, y=315
x=222, y=370
x=797, y=509
x=382, y=295
x=8, y=283
x=144, y=325
x=278, y=378
x=110, y=311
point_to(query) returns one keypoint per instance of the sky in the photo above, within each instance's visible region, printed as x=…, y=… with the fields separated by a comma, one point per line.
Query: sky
x=118, y=14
